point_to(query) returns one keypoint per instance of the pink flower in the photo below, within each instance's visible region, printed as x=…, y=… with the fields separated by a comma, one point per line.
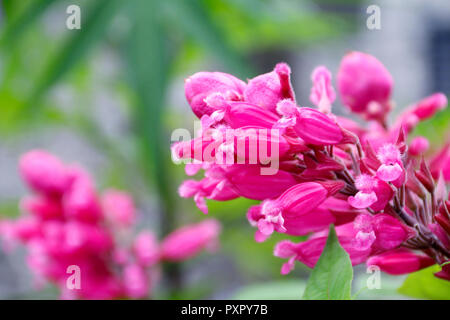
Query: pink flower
x=136, y=281
x=441, y=162
x=43, y=172
x=373, y=193
x=380, y=232
x=391, y=168
x=202, y=84
x=311, y=125
x=308, y=252
x=248, y=182
x=427, y=107
x=380, y=189
x=119, y=208
x=81, y=202
x=291, y=210
x=365, y=85
x=267, y=89
x=418, y=145
x=400, y=261
x=188, y=241
x=146, y=249
x=242, y=114
x=322, y=92
x=67, y=227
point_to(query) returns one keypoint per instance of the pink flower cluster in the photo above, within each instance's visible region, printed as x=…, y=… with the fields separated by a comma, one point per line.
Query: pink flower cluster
x=389, y=205
x=67, y=223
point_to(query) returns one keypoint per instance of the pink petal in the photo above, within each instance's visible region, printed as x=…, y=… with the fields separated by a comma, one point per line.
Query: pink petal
x=362, y=200
x=389, y=172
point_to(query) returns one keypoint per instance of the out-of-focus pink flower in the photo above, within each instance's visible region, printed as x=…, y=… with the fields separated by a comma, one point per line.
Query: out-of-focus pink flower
x=322, y=92
x=43, y=207
x=427, y=107
x=43, y=172
x=188, y=241
x=419, y=145
x=400, y=261
x=146, y=249
x=365, y=85
x=441, y=163
x=81, y=202
x=136, y=281
x=65, y=228
x=200, y=85
x=268, y=89
x=119, y=208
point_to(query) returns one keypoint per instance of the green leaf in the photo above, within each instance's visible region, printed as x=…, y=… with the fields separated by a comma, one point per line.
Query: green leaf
x=148, y=58
x=424, y=285
x=277, y=290
x=331, y=278
x=18, y=25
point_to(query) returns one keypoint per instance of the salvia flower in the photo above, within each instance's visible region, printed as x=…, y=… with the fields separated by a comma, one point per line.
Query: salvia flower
x=67, y=223
x=389, y=203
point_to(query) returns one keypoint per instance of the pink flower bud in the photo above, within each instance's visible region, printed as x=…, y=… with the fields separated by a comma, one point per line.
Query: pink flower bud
x=316, y=128
x=267, y=89
x=145, y=248
x=80, y=201
x=441, y=162
x=136, y=281
x=248, y=182
x=322, y=92
x=241, y=114
x=200, y=85
x=119, y=208
x=43, y=207
x=400, y=261
x=188, y=241
x=44, y=172
x=365, y=85
x=418, y=145
x=427, y=107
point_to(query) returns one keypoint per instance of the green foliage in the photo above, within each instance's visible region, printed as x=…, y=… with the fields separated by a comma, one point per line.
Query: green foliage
x=75, y=48
x=424, y=285
x=331, y=278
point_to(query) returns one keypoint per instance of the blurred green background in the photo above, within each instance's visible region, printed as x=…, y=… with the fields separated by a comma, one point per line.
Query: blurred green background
x=109, y=95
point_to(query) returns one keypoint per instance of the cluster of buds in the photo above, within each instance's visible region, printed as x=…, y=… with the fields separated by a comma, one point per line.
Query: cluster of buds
x=389, y=204
x=66, y=226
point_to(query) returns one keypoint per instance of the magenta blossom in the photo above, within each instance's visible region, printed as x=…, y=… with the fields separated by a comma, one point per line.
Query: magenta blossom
x=389, y=203
x=67, y=223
